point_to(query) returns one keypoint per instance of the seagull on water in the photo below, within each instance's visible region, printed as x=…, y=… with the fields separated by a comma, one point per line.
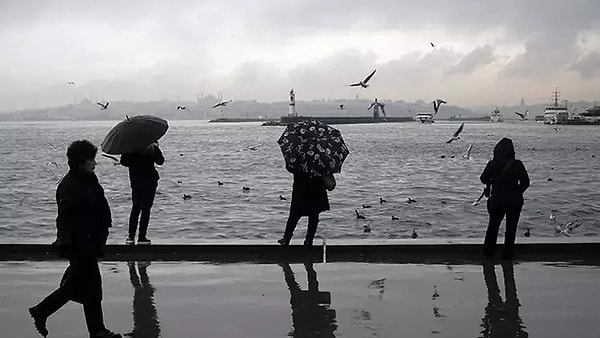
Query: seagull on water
x=366, y=206
x=103, y=106
x=341, y=107
x=282, y=198
x=394, y=218
x=222, y=103
x=457, y=133
x=358, y=215
x=527, y=233
x=436, y=105
x=414, y=235
x=363, y=83
x=381, y=200
x=410, y=200
x=182, y=108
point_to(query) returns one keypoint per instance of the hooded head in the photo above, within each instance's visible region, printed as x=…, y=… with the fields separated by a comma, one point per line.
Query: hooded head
x=504, y=149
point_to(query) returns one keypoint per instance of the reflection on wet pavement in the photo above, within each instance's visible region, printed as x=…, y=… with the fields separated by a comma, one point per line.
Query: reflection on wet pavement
x=334, y=300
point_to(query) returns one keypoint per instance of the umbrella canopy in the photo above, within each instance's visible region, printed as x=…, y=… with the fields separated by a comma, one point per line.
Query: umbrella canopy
x=134, y=133
x=312, y=148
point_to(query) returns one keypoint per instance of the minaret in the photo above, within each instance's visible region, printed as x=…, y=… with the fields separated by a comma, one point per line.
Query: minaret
x=292, y=111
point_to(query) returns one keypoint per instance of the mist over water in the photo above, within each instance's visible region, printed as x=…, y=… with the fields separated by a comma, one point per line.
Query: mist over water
x=393, y=161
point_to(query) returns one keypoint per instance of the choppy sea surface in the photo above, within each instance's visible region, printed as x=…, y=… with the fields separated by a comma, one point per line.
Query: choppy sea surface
x=393, y=161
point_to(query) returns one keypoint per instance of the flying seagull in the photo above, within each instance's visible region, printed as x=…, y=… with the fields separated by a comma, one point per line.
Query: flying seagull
x=436, y=105
x=468, y=154
x=182, y=108
x=363, y=83
x=523, y=116
x=222, y=103
x=70, y=83
x=103, y=106
x=341, y=107
x=432, y=45
x=455, y=136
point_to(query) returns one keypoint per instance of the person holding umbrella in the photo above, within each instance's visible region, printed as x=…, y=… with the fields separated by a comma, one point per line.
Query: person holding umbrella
x=144, y=181
x=136, y=138
x=313, y=152
x=82, y=224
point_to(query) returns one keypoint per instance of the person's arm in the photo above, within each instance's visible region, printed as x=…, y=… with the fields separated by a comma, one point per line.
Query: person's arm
x=126, y=159
x=523, y=178
x=158, y=156
x=486, y=177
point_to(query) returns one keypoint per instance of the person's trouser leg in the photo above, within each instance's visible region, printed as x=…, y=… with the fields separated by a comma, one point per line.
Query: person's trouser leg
x=313, y=222
x=491, y=235
x=136, y=207
x=94, y=318
x=147, y=202
x=53, y=302
x=512, y=219
x=290, y=226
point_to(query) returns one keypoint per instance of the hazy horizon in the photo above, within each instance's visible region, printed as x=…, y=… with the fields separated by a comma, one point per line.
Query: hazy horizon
x=486, y=53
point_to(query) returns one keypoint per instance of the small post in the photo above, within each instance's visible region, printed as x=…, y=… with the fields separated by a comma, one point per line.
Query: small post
x=324, y=251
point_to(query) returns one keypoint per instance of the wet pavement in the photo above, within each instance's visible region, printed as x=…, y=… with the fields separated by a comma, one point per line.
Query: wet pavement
x=184, y=299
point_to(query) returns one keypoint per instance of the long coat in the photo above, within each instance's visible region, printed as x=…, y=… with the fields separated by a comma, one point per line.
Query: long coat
x=309, y=196
x=506, y=175
x=82, y=229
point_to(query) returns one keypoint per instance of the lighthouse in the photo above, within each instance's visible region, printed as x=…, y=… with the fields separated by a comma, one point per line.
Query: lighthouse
x=292, y=111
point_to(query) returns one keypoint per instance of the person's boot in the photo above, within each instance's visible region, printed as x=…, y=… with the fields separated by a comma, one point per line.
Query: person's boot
x=39, y=321
x=106, y=333
x=284, y=241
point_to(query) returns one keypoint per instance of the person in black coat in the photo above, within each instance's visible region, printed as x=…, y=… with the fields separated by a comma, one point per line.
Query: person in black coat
x=82, y=224
x=309, y=198
x=508, y=180
x=144, y=181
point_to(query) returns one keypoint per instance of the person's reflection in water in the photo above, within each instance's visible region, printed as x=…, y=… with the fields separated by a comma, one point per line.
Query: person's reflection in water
x=311, y=315
x=502, y=319
x=145, y=319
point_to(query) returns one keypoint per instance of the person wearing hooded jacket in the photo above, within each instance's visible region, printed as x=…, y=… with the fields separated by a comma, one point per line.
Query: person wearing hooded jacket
x=82, y=224
x=508, y=180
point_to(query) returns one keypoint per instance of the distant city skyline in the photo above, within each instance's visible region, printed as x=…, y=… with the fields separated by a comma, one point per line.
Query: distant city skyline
x=485, y=53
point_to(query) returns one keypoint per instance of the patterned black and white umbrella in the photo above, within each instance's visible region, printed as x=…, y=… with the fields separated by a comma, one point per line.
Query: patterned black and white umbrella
x=312, y=148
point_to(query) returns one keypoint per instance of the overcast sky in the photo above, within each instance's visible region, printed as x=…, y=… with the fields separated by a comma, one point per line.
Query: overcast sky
x=487, y=52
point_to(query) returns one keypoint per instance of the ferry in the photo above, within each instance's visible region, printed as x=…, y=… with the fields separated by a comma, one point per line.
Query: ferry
x=496, y=116
x=424, y=117
x=556, y=114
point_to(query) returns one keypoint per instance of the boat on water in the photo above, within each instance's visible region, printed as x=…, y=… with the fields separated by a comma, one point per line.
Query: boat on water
x=556, y=113
x=424, y=117
x=495, y=116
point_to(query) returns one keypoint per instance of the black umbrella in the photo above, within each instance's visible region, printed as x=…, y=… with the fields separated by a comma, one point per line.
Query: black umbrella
x=312, y=148
x=134, y=133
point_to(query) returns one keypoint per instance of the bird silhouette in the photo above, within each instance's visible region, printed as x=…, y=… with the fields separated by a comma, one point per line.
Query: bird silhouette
x=381, y=200
x=414, y=234
x=103, y=106
x=341, y=107
x=394, y=218
x=186, y=197
x=358, y=215
x=282, y=198
x=409, y=200
x=219, y=183
x=222, y=103
x=436, y=105
x=457, y=133
x=366, y=206
x=527, y=233
x=367, y=228
x=523, y=116
x=182, y=108
x=71, y=83
x=432, y=44
x=364, y=82
x=246, y=188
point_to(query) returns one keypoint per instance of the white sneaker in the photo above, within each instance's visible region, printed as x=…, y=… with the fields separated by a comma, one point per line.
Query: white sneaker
x=130, y=241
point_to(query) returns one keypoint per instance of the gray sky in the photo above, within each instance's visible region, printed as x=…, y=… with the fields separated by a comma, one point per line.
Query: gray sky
x=488, y=52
